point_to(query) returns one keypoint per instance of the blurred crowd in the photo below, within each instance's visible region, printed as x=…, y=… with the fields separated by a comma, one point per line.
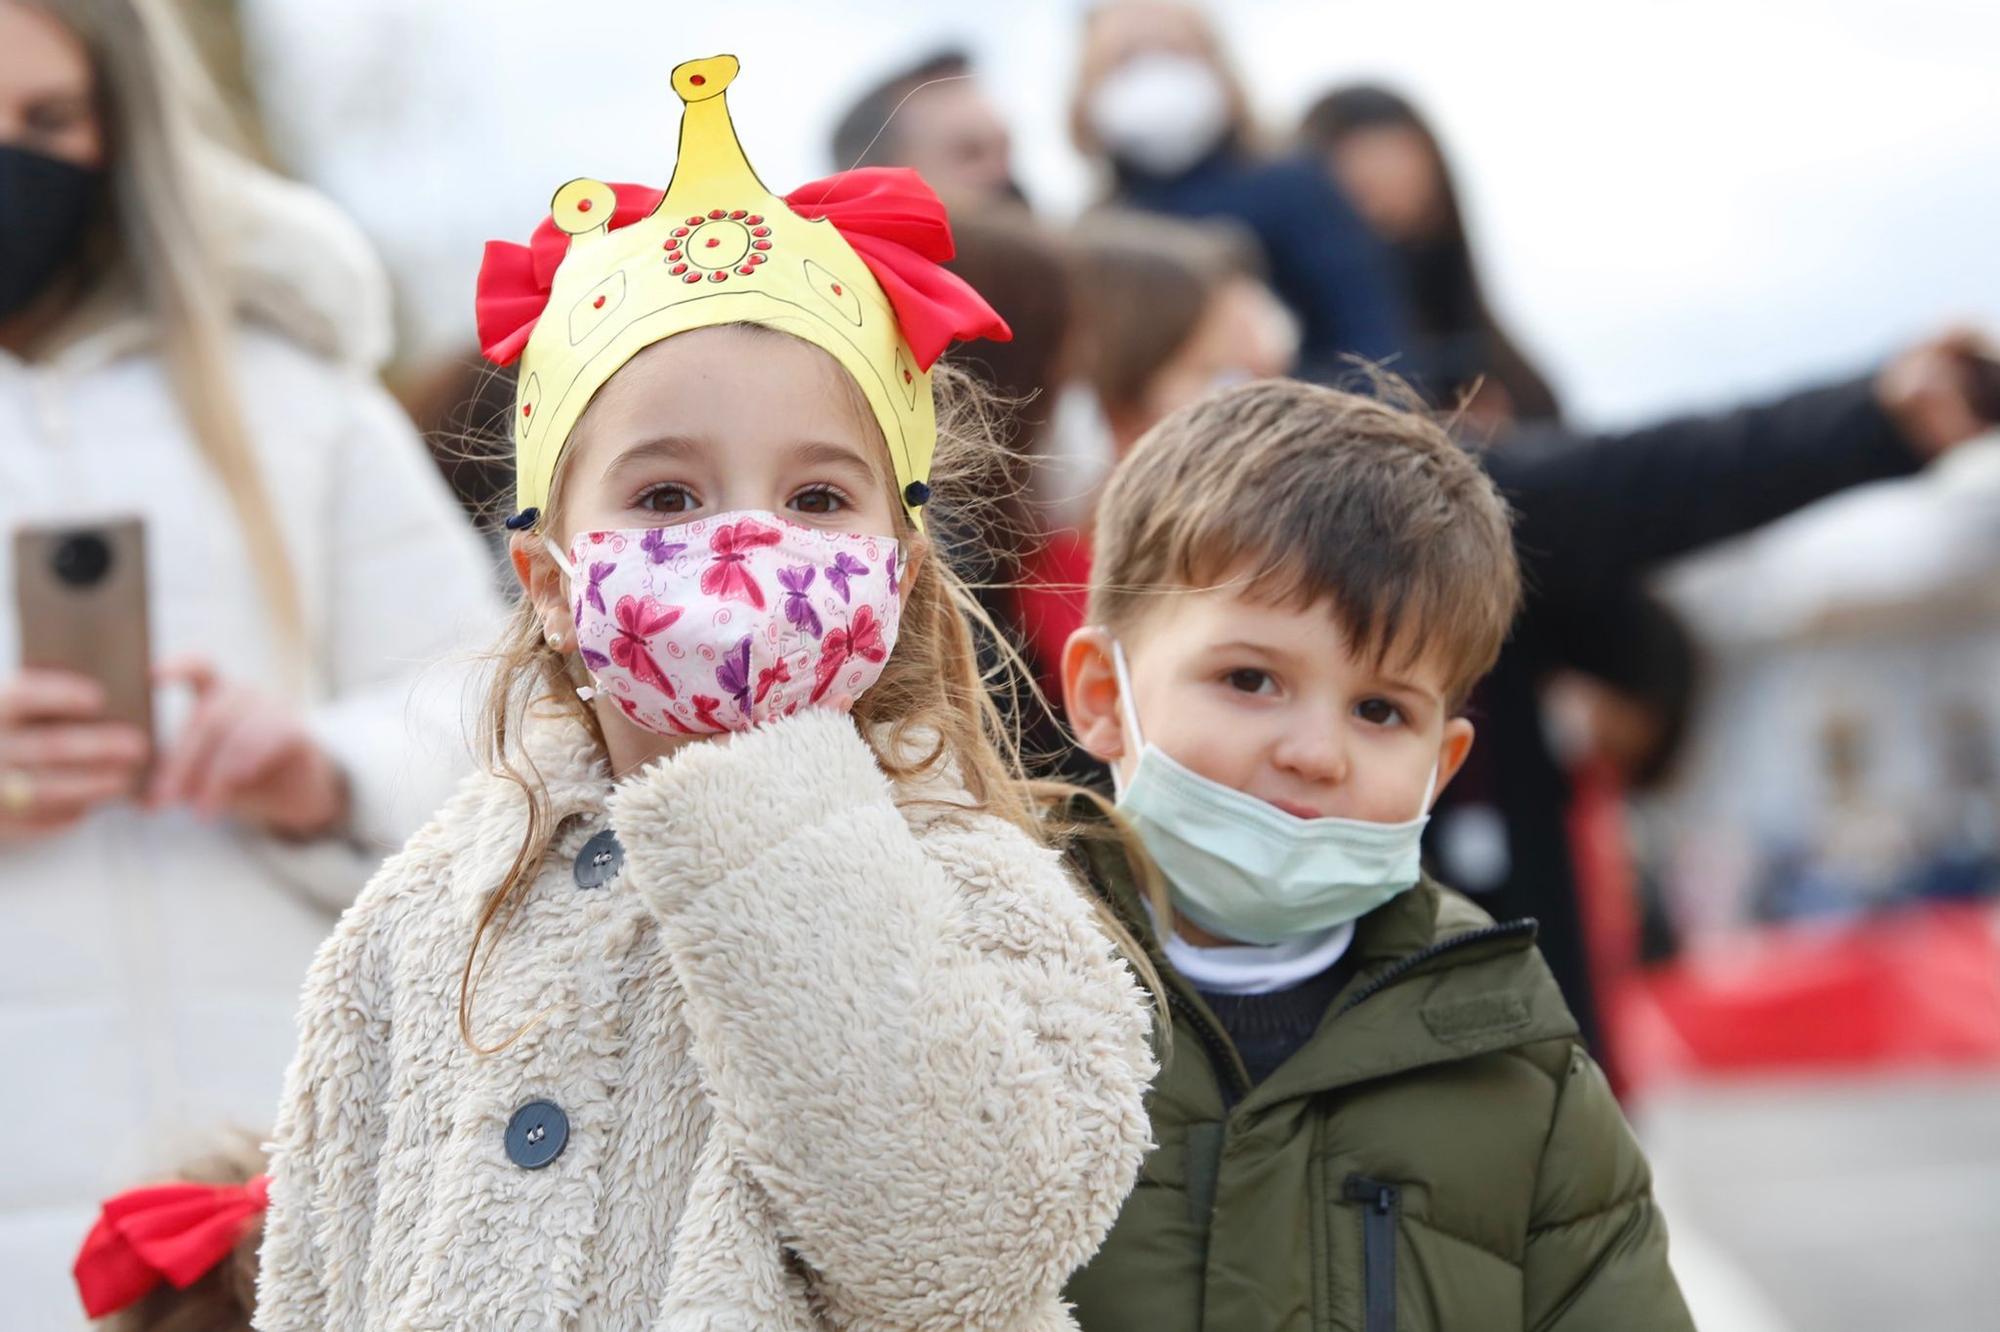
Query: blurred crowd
x=188, y=337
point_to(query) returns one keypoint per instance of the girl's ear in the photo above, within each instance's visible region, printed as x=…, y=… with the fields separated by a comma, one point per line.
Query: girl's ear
x=541, y=583
x=1090, y=694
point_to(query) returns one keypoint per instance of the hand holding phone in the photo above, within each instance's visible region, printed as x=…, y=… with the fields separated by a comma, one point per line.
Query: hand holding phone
x=76, y=722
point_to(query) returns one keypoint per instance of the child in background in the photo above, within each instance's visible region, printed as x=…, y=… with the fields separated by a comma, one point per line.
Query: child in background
x=181, y=1256
x=1377, y=1115
x=742, y=993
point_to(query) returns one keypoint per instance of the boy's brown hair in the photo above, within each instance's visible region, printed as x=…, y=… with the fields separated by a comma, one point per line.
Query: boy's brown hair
x=1308, y=494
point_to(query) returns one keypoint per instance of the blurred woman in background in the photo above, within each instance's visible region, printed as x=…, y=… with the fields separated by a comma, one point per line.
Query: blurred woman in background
x=184, y=338
x=1159, y=109
x=1387, y=161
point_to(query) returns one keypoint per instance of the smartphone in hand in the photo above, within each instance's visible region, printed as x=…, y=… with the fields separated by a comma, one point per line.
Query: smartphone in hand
x=80, y=592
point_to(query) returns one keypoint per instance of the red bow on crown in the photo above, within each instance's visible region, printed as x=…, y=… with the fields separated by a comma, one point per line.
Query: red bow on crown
x=890, y=217
x=169, y=1232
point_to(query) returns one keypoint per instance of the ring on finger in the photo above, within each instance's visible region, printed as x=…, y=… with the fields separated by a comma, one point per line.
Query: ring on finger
x=17, y=792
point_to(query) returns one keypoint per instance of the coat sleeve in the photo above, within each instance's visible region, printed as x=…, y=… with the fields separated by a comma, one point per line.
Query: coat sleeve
x=920, y=1046
x=1597, y=1244
x=331, y=1124
x=1593, y=511
x=1332, y=271
x=407, y=597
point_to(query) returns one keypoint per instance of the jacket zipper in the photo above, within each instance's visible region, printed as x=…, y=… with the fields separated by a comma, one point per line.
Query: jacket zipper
x=1404, y=966
x=1378, y=1249
x=1236, y=1082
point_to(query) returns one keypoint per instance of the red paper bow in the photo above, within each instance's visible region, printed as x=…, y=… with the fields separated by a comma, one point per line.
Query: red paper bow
x=891, y=218
x=168, y=1232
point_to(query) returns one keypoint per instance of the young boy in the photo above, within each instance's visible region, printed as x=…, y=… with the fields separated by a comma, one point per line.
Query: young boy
x=1375, y=1113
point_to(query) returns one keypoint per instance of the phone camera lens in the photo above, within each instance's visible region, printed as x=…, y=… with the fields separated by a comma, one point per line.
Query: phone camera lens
x=82, y=559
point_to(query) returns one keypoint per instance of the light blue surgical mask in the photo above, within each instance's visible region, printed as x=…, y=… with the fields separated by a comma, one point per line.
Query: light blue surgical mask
x=1244, y=869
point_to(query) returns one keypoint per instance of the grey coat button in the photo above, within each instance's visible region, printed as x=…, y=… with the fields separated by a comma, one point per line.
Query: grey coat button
x=537, y=1134
x=599, y=861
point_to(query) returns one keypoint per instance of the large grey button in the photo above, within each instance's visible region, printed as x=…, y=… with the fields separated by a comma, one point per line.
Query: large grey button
x=537, y=1134
x=599, y=861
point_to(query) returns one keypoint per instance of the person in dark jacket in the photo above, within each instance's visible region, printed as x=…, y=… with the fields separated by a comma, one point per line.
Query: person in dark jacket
x=1374, y=1113
x=1594, y=514
x=1157, y=107
x=1386, y=159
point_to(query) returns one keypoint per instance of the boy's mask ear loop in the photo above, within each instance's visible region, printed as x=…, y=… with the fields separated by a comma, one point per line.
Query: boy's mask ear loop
x=1128, y=711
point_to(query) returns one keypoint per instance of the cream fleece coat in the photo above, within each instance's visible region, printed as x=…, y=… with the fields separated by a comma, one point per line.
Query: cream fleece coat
x=832, y=1056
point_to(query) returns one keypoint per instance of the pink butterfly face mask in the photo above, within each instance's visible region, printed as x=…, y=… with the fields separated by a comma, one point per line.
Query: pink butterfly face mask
x=725, y=622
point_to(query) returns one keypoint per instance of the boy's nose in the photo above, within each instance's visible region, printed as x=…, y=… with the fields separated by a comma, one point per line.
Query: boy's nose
x=1314, y=752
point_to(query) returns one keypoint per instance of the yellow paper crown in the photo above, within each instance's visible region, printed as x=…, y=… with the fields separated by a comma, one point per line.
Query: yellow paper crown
x=719, y=248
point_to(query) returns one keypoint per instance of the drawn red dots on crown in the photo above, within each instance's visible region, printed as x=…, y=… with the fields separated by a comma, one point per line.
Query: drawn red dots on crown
x=718, y=276
x=692, y=277
x=697, y=79
x=760, y=245
x=907, y=377
x=527, y=409
x=760, y=231
x=753, y=220
x=716, y=214
x=747, y=269
x=714, y=241
x=695, y=221
x=738, y=214
x=678, y=269
x=836, y=289
x=680, y=231
x=583, y=205
x=597, y=304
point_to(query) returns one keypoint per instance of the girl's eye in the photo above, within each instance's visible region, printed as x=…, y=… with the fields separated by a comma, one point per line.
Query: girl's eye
x=820, y=500
x=671, y=497
x=1249, y=680
x=1378, y=712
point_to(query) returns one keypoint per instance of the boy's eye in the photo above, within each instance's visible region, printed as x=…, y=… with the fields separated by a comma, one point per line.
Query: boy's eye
x=1378, y=712
x=819, y=500
x=1249, y=680
x=671, y=497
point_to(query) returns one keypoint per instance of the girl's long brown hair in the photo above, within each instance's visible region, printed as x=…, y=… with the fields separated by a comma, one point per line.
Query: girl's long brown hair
x=932, y=709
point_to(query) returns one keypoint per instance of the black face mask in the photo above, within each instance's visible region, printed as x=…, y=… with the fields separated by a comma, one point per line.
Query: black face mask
x=45, y=206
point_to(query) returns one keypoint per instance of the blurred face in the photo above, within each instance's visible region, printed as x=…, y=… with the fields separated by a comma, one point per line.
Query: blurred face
x=1270, y=701
x=1244, y=334
x=704, y=423
x=1119, y=31
x=1391, y=177
x=954, y=138
x=47, y=95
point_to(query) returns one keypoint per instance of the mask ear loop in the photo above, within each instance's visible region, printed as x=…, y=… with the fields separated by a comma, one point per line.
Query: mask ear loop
x=1430, y=790
x=1128, y=711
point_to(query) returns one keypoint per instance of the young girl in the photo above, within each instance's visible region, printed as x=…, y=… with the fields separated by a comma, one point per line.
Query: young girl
x=741, y=994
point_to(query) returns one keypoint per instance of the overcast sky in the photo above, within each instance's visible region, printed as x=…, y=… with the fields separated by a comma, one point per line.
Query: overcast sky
x=1677, y=204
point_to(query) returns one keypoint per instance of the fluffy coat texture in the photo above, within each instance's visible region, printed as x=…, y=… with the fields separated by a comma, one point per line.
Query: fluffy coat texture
x=833, y=1053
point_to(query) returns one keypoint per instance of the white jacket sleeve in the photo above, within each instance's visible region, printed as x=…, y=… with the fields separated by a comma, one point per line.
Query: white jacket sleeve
x=408, y=601
x=922, y=1048
x=331, y=1124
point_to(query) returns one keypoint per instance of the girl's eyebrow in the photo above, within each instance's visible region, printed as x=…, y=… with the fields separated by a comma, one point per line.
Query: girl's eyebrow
x=827, y=453
x=661, y=448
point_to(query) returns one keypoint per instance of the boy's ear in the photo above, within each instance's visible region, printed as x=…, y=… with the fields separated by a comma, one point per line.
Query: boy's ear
x=541, y=582
x=1452, y=752
x=1090, y=694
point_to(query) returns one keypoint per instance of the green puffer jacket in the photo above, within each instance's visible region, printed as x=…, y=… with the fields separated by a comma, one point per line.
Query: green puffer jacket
x=1441, y=1154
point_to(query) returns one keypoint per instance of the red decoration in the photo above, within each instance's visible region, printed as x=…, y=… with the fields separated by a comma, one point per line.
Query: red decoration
x=696, y=220
x=900, y=230
x=583, y=205
x=597, y=304
x=173, y=1232
x=697, y=79
x=737, y=213
x=836, y=289
x=678, y=269
x=716, y=213
x=718, y=276
x=747, y=269
x=890, y=217
x=760, y=231
x=714, y=241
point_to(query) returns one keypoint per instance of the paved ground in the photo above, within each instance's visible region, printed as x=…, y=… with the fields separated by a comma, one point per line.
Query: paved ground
x=1835, y=1206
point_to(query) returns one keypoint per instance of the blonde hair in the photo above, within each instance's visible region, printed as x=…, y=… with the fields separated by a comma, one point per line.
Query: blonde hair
x=932, y=710
x=1307, y=494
